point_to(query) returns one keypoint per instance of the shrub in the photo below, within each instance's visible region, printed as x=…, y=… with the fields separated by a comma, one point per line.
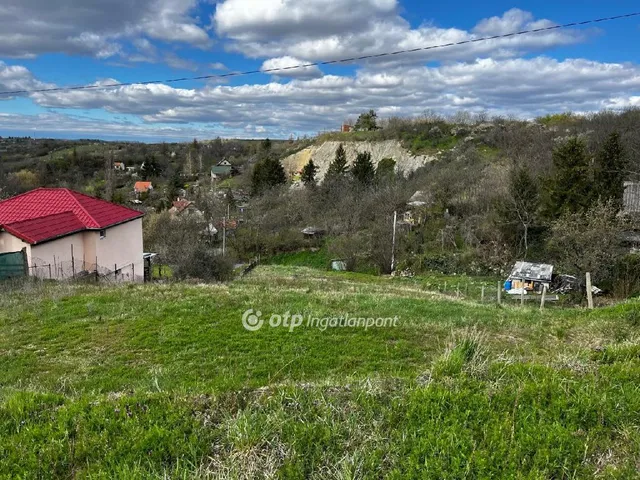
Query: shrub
x=204, y=264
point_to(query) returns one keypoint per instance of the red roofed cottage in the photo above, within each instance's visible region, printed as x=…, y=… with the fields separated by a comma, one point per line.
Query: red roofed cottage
x=65, y=233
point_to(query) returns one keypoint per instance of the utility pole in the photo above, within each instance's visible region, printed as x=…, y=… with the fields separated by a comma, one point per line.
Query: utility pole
x=224, y=231
x=393, y=245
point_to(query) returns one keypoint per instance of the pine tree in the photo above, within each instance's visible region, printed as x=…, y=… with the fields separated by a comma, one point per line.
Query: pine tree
x=367, y=121
x=338, y=167
x=309, y=173
x=570, y=189
x=267, y=173
x=363, y=170
x=386, y=170
x=610, y=171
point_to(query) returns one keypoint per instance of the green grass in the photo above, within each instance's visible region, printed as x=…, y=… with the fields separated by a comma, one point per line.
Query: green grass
x=319, y=259
x=162, y=381
x=162, y=271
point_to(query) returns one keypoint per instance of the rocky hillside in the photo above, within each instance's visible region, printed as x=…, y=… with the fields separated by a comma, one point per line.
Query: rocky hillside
x=324, y=154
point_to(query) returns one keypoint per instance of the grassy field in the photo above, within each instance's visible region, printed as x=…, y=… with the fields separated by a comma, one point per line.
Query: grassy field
x=163, y=381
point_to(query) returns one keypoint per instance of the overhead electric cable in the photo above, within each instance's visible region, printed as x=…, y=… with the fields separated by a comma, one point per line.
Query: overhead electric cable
x=318, y=64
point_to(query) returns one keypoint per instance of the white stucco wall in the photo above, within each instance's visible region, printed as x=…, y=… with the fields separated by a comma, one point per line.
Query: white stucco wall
x=9, y=243
x=58, y=253
x=122, y=248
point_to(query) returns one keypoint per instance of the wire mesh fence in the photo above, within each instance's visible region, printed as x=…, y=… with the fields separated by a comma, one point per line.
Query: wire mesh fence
x=79, y=269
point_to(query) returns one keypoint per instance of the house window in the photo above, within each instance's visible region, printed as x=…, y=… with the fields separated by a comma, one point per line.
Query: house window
x=103, y=234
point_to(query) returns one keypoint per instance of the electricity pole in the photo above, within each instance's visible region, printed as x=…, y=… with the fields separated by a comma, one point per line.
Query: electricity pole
x=393, y=245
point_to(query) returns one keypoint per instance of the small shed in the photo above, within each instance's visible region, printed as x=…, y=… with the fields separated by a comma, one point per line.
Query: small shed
x=533, y=277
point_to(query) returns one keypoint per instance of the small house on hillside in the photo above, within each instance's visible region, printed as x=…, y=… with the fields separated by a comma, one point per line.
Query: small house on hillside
x=416, y=205
x=63, y=234
x=183, y=207
x=142, y=187
x=222, y=169
x=119, y=166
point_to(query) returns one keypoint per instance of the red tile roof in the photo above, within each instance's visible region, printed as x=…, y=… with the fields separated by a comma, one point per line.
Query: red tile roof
x=142, y=186
x=47, y=213
x=181, y=205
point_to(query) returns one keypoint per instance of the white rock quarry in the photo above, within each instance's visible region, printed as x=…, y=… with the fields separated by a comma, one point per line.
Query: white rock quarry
x=324, y=154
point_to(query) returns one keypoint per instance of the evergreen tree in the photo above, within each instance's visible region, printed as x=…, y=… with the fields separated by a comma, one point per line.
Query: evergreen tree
x=367, y=121
x=265, y=146
x=363, y=170
x=309, y=173
x=610, y=171
x=386, y=170
x=338, y=167
x=569, y=190
x=150, y=167
x=267, y=173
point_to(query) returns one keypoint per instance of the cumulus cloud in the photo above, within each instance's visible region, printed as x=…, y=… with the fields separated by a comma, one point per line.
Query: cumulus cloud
x=93, y=27
x=72, y=125
x=257, y=20
x=524, y=87
x=284, y=66
x=16, y=78
x=279, y=28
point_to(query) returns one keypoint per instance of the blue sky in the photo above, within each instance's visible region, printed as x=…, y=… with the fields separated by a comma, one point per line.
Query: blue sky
x=96, y=41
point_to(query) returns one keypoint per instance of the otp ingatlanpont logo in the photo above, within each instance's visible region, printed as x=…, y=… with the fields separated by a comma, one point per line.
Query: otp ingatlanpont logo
x=252, y=321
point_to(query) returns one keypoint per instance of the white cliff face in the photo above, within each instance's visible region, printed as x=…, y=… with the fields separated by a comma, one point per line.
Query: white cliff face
x=324, y=154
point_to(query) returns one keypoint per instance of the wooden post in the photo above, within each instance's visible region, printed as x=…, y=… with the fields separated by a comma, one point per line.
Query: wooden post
x=482, y=295
x=73, y=264
x=544, y=294
x=49, y=271
x=522, y=292
x=445, y=288
x=458, y=291
x=499, y=293
x=589, y=291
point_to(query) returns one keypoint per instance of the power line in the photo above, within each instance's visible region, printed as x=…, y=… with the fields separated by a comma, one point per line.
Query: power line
x=328, y=62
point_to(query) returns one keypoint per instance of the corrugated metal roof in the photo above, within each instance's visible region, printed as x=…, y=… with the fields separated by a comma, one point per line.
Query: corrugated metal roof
x=631, y=197
x=532, y=271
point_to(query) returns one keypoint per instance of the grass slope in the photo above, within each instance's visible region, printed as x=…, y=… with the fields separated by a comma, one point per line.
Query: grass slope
x=162, y=381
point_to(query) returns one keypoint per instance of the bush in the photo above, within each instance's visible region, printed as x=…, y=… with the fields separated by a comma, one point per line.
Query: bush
x=204, y=264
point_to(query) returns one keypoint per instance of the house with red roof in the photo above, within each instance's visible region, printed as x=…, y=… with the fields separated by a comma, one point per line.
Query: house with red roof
x=66, y=233
x=142, y=187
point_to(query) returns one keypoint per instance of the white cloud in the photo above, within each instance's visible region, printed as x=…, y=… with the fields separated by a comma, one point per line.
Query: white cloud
x=85, y=127
x=16, y=78
x=523, y=87
x=280, y=28
x=288, y=62
x=257, y=20
x=93, y=27
x=218, y=66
